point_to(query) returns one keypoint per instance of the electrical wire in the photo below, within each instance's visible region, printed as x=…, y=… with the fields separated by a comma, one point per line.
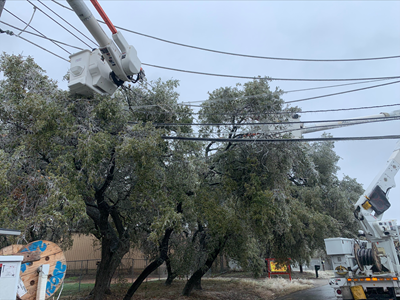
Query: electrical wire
x=283, y=131
x=234, y=76
x=257, y=56
x=327, y=127
x=344, y=92
x=34, y=29
x=351, y=108
x=59, y=24
x=12, y=34
x=33, y=14
x=219, y=140
x=355, y=121
x=43, y=37
x=331, y=86
x=243, y=55
x=68, y=23
x=250, y=96
x=367, y=120
x=254, y=56
x=188, y=103
x=273, y=113
x=69, y=8
x=42, y=48
x=269, y=78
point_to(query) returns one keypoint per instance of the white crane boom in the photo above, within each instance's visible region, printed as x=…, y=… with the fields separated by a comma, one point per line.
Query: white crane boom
x=106, y=68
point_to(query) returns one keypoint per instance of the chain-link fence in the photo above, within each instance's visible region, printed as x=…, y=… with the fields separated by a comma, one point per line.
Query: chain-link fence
x=84, y=271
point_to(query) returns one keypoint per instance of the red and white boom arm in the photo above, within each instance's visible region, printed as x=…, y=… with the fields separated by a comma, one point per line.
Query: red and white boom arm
x=123, y=59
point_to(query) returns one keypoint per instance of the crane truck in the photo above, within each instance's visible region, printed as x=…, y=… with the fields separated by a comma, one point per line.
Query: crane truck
x=368, y=267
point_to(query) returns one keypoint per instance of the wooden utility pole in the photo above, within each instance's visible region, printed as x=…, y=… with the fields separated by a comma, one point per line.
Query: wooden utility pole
x=2, y=2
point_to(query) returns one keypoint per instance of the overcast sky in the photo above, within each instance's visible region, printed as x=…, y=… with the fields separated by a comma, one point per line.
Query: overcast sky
x=291, y=29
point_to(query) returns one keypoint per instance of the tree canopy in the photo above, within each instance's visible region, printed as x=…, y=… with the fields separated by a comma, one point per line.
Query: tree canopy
x=99, y=165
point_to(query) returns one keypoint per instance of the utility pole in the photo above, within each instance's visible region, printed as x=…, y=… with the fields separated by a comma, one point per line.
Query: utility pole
x=2, y=2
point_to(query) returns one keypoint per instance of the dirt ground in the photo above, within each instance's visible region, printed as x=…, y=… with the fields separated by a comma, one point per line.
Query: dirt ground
x=228, y=286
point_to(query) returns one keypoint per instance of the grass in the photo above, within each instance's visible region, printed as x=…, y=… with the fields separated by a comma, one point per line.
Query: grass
x=73, y=289
x=220, y=288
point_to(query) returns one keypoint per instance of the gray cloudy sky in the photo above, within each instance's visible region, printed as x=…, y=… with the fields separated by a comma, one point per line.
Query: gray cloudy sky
x=293, y=29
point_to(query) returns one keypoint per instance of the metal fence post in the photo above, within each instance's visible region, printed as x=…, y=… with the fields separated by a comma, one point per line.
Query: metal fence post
x=80, y=277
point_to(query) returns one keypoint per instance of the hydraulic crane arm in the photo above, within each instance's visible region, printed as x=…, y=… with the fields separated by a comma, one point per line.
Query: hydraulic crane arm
x=122, y=60
x=373, y=203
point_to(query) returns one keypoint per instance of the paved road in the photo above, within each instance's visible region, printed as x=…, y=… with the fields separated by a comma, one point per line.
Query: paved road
x=324, y=292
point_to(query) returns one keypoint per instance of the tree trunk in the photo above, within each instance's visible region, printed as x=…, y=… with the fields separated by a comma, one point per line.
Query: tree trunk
x=197, y=285
x=110, y=260
x=194, y=281
x=151, y=267
x=171, y=275
x=301, y=268
x=114, y=243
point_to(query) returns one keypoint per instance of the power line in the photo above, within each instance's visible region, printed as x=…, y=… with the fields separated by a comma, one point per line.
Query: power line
x=251, y=96
x=34, y=29
x=283, y=131
x=243, y=55
x=254, y=95
x=356, y=121
x=260, y=123
x=69, y=8
x=188, y=103
x=253, y=56
x=43, y=37
x=231, y=76
x=12, y=34
x=219, y=140
x=68, y=22
x=42, y=48
x=303, y=99
x=59, y=24
x=351, y=108
x=331, y=86
x=268, y=78
x=327, y=127
x=33, y=14
x=273, y=113
x=345, y=92
x=257, y=56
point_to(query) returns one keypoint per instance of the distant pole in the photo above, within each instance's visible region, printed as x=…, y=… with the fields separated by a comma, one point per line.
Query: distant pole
x=2, y=2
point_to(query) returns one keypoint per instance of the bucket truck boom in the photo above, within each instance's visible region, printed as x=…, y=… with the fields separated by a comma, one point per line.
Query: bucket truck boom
x=106, y=68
